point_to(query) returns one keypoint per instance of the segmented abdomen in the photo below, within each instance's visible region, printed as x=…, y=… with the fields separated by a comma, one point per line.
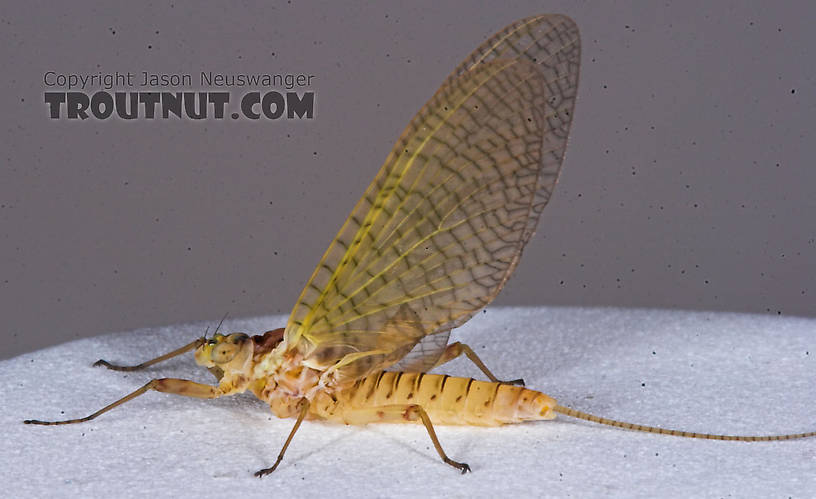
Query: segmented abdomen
x=446, y=399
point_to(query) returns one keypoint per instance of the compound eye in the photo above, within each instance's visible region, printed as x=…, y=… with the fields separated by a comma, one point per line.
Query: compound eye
x=224, y=352
x=227, y=347
x=237, y=338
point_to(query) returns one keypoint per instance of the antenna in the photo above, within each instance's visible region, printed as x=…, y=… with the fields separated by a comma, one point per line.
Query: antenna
x=219, y=323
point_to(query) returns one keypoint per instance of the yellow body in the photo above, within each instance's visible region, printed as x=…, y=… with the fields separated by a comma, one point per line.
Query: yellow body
x=241, y=362
x=447, y=400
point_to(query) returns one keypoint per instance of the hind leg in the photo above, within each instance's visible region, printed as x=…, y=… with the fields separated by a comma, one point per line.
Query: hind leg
x=456, y=349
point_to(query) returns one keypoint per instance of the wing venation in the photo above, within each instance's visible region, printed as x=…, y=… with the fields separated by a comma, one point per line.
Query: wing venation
x=443, y=224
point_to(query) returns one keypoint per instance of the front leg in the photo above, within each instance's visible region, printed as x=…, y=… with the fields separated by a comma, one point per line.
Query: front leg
x=186, y=348
x=166, y=385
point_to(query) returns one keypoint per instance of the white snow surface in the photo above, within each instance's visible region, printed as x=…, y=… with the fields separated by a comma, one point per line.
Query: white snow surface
x=696, y=371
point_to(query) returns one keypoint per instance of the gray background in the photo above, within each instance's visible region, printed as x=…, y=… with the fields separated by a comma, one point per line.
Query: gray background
x=688, y=183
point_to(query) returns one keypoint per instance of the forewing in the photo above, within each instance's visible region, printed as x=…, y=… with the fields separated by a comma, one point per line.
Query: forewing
x=441, y=228
x=536, y=39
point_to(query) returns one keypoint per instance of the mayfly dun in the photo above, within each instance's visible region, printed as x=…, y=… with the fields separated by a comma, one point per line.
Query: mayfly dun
x=432, y=241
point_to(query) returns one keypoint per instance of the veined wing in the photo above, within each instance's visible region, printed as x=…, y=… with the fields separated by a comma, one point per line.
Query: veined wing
x=535, y=39
x=442, y=226
x=424, y=355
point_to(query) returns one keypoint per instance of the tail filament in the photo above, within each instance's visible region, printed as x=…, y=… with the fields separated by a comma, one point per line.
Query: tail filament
x=653, y=429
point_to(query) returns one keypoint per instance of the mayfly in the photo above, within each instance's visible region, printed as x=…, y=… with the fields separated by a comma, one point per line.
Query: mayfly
x=432, y=241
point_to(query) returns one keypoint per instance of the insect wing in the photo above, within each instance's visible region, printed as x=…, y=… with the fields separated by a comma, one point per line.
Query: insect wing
x=425, y=354
x=442, y=226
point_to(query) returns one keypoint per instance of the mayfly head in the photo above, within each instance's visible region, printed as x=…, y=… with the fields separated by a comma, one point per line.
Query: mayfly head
x=225, y=352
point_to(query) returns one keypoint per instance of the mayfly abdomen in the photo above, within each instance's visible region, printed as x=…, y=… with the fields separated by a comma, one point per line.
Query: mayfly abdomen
x=447, y=400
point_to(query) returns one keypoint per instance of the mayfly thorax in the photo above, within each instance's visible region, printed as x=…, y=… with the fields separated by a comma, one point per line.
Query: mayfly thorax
x=432, y=241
